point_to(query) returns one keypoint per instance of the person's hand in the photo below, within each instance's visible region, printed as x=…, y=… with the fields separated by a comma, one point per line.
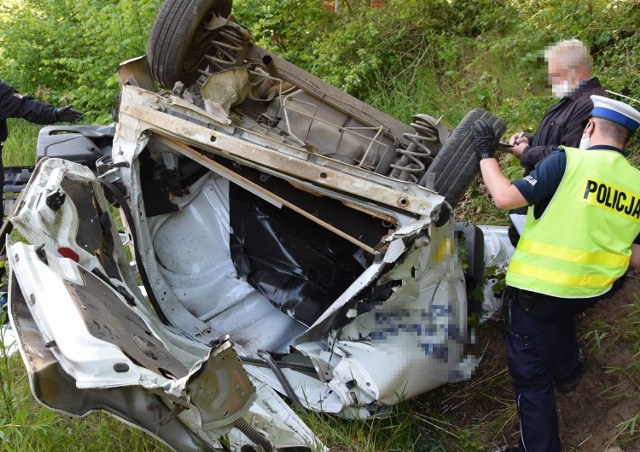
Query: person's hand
x=486, y=141
x=518, y=138
x=518, y=149
x=68, y=114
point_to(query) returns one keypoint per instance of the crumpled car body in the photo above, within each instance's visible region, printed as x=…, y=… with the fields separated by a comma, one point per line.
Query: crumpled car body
x=277, y=243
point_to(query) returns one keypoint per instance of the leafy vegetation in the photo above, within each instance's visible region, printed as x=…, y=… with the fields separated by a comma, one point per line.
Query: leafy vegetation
x=67, y=51
x=441, y=57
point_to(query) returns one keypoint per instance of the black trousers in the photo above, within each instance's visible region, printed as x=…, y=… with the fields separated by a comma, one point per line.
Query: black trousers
x=542, y=350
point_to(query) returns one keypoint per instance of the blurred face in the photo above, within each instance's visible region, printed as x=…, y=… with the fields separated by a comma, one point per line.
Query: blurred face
x=556, y=71
x=561, y=78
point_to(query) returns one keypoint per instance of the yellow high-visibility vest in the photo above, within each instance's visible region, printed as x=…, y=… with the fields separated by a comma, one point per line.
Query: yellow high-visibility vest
x=582, y=242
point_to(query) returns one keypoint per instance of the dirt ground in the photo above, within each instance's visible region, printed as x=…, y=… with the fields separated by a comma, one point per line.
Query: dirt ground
x=605, y=397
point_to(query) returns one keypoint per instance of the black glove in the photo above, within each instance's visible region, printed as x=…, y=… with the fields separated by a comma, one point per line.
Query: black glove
x=68, y=114
x=486, y=141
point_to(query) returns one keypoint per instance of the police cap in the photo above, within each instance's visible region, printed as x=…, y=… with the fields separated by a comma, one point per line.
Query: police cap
x=616, y=111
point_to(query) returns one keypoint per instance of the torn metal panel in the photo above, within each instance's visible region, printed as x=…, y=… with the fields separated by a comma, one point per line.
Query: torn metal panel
x=210, y=396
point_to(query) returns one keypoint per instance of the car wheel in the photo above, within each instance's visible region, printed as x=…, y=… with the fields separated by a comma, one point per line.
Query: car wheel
x=181, y=37
x=456, y=165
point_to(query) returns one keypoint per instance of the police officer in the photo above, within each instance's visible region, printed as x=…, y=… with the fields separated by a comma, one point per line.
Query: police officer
x=15, y=105
x=581, y=234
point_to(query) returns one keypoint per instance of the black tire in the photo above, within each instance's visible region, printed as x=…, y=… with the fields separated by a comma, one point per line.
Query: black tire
x=178, y=41
x=456, y=165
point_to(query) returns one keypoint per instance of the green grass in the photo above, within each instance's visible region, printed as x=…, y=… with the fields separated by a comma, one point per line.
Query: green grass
x=20, y=147
x=404, y=428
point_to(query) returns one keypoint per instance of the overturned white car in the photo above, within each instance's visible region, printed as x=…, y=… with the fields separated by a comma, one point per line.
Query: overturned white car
x=284, y=239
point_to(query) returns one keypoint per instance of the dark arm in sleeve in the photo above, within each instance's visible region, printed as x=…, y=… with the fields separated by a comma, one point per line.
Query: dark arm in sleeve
x=541, y=184
x=14, y=105
x=533, y=155
x=571, y=134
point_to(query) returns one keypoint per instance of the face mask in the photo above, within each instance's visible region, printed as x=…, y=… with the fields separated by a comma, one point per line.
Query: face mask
x=561, y=89
x=584, y=142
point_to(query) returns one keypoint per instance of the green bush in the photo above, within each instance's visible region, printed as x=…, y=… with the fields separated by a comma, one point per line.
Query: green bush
x=471, y=52
x=287, y=27
x=68, y=51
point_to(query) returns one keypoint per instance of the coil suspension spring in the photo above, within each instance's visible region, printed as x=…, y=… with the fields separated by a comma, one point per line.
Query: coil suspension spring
x=412, y=163
x=228, y=47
